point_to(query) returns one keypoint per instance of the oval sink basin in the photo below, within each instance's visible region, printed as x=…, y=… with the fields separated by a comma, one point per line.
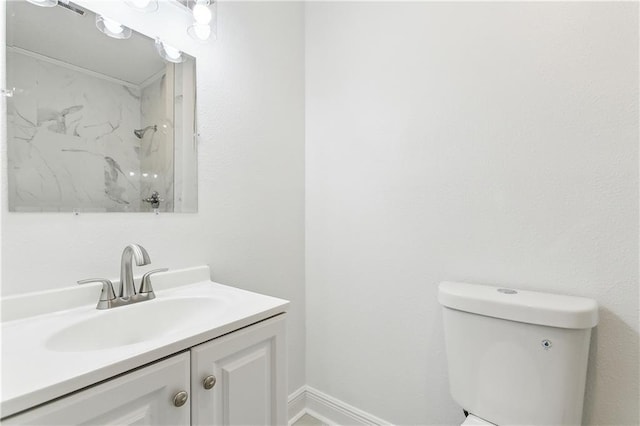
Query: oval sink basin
x=136, y=323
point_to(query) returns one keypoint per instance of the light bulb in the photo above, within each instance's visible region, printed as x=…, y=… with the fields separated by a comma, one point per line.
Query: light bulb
x=199, y=32
x=140, y=4
x=201, y=14
x=171, y=52
x=112, y=26
x=143, y=5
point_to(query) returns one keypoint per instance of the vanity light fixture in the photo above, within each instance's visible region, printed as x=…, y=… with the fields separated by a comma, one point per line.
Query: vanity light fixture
x=112, y=28
x=44, y=3
x=200, y=30
x=143, y=5
x=169, y=53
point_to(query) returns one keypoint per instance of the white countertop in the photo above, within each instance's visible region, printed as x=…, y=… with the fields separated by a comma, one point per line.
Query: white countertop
x=33, y=373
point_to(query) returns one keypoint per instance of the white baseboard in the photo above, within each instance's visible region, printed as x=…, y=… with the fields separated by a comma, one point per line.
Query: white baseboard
x=329, y=410
x=296, y=405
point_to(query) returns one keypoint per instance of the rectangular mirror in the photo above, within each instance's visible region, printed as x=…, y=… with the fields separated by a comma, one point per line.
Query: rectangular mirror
x=96, y=123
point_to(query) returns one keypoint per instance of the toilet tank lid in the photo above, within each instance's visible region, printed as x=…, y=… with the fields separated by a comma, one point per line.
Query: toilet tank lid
x=554, y=310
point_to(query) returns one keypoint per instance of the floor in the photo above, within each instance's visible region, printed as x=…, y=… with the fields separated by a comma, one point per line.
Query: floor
x=307, y=420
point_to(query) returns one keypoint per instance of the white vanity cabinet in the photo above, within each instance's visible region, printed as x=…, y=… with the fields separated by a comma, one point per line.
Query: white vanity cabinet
x=245, y=373
x=240, y=378
x=142, y=397
x=66, y=362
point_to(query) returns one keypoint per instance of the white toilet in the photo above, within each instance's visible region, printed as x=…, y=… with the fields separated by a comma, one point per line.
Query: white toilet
x=516, y=357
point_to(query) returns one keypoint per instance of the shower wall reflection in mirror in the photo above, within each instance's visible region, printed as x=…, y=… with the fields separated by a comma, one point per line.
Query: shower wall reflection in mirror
x=95, y=124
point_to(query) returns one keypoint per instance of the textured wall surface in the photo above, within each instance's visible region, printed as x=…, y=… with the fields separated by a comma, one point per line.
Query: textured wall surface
x=483, y=142
x=250, y=223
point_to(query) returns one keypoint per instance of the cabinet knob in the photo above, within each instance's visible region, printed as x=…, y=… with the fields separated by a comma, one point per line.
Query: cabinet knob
x=209, y=382
x=180, y=398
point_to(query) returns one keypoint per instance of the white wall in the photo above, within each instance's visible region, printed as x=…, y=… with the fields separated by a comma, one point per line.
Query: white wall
x=485, y=142
x=250, y=224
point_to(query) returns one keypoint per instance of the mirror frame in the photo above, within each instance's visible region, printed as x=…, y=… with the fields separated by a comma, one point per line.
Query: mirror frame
x=168, y=23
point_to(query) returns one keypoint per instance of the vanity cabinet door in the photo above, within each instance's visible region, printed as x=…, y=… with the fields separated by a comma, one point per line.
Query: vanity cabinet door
x=240, y=378
x=142, y=397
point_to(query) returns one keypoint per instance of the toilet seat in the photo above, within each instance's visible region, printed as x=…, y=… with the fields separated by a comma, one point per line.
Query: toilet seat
x=473, y=420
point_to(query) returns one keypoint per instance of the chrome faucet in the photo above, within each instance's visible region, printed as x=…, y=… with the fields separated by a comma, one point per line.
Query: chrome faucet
x=127, y=293
x=127, y=288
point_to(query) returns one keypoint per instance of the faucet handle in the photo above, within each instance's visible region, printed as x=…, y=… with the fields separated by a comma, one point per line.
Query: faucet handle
x=145, y=285
x=106, y=295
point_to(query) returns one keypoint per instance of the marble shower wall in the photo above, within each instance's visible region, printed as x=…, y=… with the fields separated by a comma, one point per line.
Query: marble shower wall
x=157, y=147
x=185, y=175
x=70, y=138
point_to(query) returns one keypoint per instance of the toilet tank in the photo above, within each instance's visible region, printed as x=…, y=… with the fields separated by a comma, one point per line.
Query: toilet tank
x=517, y=357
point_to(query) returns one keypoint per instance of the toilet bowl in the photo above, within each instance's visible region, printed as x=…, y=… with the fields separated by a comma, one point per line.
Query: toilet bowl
x=473, y=420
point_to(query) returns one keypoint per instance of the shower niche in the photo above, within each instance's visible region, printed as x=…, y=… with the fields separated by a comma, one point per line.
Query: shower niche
x=95, y=123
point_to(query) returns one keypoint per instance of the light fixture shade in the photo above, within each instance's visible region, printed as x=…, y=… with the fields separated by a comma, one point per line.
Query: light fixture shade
x=112, y=28
x=145, y=6
x=169, y=53
x=44, y=3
